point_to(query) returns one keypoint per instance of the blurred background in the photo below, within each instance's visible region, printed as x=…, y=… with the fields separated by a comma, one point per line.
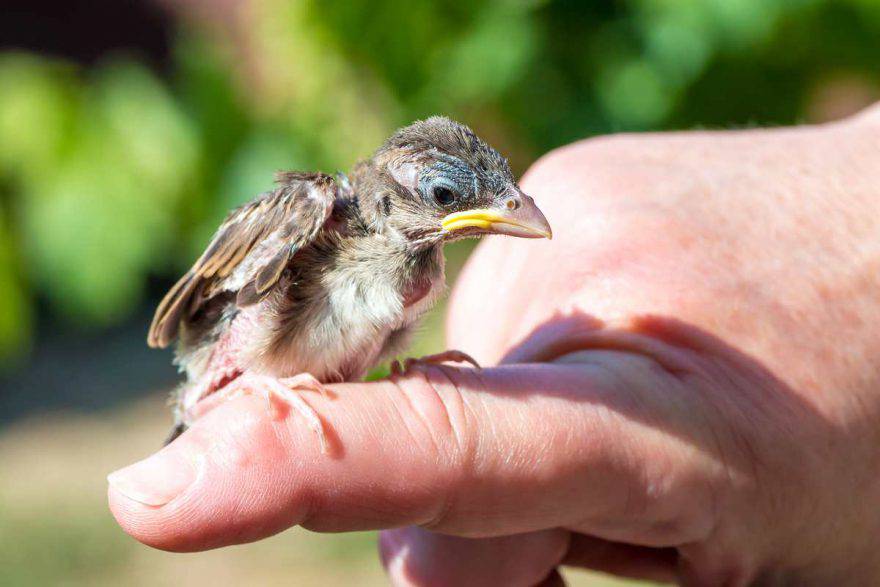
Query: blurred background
x=128, y=129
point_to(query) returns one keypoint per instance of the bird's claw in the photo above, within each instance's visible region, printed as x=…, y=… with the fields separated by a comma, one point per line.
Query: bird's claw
x=451, y=356
x=281, y=396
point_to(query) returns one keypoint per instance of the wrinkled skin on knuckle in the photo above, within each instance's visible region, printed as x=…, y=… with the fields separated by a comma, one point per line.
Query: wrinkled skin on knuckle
x=712, y=467
x=716, y=483
x=783, y=471
x=672, y=464
x=439, y=419
x=433, y=397
x=766, y=471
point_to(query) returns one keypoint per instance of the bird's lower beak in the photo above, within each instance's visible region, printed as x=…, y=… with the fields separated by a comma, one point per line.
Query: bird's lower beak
x=517, y=216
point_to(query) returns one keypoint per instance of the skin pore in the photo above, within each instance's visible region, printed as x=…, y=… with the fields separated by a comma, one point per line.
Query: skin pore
x=687, y=387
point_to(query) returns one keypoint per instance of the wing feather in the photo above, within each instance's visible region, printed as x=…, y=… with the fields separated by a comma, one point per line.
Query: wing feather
x=287, y=219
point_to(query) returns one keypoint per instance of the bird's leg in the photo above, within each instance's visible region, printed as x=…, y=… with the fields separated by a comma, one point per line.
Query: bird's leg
x=281, y=395
x=451, y=356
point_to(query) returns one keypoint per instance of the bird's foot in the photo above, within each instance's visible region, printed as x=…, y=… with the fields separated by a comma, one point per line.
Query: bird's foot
x=451, y=356
x=281, y=396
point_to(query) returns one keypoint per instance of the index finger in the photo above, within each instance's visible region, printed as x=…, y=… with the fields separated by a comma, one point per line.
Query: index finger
x=474, y=453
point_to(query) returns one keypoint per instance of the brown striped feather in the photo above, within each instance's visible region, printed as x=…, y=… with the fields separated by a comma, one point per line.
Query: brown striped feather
x=299, y=207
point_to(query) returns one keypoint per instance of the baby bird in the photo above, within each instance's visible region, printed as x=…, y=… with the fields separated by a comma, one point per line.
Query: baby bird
x=324, y=277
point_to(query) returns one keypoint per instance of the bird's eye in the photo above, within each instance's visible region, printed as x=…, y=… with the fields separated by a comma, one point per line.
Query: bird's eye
x=443, y=195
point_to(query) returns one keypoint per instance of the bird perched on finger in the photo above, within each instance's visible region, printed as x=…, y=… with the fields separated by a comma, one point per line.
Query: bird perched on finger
x=325, y=276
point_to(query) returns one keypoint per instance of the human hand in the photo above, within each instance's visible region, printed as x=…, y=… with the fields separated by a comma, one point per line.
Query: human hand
x=687, y=387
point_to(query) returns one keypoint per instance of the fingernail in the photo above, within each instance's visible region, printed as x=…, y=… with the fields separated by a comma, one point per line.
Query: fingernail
x=155, y=480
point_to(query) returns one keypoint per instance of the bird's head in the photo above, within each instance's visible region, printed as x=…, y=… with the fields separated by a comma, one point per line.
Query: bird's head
x=441, y=182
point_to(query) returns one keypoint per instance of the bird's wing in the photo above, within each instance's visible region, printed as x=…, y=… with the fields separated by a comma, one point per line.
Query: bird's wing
x=250, y=249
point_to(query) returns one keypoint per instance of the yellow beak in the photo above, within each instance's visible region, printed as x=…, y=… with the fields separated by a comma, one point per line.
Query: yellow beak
x=520, y=217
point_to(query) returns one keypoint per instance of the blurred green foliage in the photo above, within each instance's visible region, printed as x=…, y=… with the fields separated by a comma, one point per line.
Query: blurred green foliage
x=112, y=175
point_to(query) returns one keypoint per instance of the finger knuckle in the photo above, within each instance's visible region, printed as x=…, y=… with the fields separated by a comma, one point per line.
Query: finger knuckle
x=438, y=417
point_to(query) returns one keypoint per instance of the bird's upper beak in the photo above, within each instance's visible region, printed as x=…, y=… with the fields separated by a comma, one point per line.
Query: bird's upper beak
x=515, y=216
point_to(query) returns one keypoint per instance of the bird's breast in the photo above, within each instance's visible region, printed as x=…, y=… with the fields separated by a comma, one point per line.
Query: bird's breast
x=340, y=314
